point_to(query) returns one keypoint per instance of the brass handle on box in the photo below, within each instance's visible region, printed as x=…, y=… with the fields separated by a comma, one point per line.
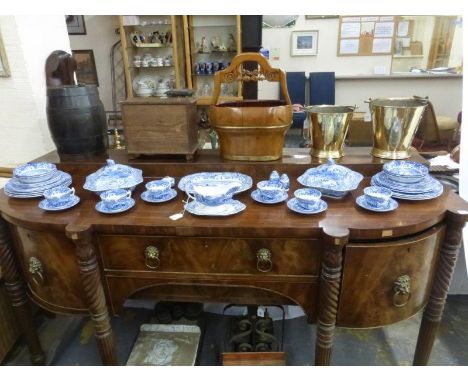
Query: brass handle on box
x=152, y=257
x=401, y=288
x=36, y=270
x=264, y=262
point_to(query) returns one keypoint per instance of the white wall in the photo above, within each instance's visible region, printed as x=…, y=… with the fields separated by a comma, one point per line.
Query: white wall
x=28, y=41
x=99, y=37
x=445, y=94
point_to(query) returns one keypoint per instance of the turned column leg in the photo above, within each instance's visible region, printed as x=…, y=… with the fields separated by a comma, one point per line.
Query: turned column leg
x=17, y=294
x=435, y=307
x=93, y=292
x=329, y=291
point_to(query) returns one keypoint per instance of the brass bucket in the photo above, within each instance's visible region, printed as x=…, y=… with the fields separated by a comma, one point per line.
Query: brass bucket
x=328, y=125
x=395, y=122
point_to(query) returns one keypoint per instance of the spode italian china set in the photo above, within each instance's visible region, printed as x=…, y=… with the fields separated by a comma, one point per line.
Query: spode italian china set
x=213, y=193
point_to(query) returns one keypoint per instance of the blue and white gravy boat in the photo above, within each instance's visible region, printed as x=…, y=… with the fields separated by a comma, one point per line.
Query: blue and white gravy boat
x=214, y=194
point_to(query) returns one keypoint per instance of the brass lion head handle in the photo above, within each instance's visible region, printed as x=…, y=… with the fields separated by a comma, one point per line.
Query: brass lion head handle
x=264, y=262
x=152, y=257
x=36, y=270
x=401, y=291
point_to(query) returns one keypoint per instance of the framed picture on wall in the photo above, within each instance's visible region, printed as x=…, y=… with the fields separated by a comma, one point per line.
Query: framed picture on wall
x=85, y=67
x=75, y=24
x=304, y=43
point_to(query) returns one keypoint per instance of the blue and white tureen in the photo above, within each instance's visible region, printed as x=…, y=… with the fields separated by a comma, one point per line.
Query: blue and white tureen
x=331, y=179
x=113, y=176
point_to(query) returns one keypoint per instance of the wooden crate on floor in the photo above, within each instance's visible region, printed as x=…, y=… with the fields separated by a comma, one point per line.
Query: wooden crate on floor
x=254, y=359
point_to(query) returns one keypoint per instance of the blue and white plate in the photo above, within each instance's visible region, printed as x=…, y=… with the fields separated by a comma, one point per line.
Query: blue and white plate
x=126, y=205
x=47, y=206
x=362, y=202
x=148, y=197
x=425, y=184
x=229, y=208
x=423, y=196
x=186, y=183
x=257, y=196
x=293, y=204
x=15, y=189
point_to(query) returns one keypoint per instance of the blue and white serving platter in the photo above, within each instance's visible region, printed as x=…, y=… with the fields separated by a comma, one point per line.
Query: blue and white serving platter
x=230, y=208
x=186, y=183
x=47, y=206
x=148, y=197
x=256, y=195
x=126, y=205
x=293, y=204
x=361, y=201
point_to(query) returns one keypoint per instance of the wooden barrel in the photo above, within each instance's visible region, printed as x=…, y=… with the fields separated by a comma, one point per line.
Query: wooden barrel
x=77, y=120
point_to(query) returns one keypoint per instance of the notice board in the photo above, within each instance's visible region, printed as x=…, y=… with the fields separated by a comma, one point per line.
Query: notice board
x=366, y=35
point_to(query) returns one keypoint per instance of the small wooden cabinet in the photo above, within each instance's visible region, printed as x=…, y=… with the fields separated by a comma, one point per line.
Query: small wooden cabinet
x=156, y=126
x=211, y=42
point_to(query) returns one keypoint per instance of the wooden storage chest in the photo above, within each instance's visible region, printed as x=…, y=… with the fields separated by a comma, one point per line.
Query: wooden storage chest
x=160, y=126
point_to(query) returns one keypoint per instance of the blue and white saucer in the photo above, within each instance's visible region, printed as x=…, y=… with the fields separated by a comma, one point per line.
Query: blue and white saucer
x=257, y=196
x=362, y=202
x=126, y=205
x=229, y=208
x=294, y=205
x=148, y=197
x=47, y=206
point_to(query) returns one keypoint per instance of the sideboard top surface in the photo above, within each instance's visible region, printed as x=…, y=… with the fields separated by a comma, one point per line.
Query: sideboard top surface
x=256, y=220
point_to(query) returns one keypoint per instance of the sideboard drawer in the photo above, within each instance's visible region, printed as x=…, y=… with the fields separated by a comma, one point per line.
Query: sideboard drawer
x=386, y=282
x=210, y=255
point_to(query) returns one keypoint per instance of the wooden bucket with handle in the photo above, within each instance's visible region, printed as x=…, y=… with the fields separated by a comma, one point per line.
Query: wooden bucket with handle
x=251, y=130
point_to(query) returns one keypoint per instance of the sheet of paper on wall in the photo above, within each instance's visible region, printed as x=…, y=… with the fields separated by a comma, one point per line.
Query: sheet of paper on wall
x=382, y=45
x=384, y=29
x=403, y=28
x=405, y=42
x=369, y=18
x=350, y=19
x=350, y=30
x=274, y=54
x=349, y=46
x=386, y=18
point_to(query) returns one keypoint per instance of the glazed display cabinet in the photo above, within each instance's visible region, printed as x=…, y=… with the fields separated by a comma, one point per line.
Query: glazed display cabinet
x=153, y=54
x=211, y=42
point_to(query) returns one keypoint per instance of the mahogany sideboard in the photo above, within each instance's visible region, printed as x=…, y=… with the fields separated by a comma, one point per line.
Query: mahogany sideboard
x=345, y=267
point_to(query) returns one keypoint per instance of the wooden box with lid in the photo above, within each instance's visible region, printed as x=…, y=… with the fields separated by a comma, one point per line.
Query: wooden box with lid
x=160, y=126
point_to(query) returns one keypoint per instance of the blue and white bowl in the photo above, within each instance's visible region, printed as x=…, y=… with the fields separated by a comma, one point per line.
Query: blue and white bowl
x=270, y=190
x=35, y=172
x=58, y=196
x=115, y=199
x=405, y=171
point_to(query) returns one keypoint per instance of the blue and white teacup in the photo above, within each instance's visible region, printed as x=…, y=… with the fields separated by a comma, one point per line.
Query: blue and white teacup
x=160, y=188
x=113, y=199
x=270, y=190
x=377, y=197
x=58, y=196
x=307, y=198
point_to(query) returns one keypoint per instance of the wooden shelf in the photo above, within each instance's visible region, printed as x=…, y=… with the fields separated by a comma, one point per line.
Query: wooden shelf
x=149, y=45
x=151, y=67
x=408, y=56
x=205, y=101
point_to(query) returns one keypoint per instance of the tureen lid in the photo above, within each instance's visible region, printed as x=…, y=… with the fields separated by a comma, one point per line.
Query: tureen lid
x=113, y=176
x=331, y=176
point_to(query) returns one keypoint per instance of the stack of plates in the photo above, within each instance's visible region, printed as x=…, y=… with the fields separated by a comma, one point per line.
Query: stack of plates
x=32, y=179
x=408, y=180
